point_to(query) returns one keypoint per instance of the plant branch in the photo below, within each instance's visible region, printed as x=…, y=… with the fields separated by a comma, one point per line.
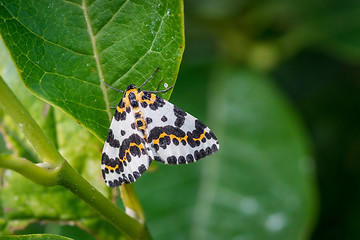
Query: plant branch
x=42, y=144
x=39, y=175
x=81, y=188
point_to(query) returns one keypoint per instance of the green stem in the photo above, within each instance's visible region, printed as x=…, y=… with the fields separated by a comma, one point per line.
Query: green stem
x=81, y=188
x=42, y=144
x=45, y=177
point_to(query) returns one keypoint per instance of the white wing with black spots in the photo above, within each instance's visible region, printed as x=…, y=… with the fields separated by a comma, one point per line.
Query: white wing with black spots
x=176, y=137
x=146, y=127
x=126, y=154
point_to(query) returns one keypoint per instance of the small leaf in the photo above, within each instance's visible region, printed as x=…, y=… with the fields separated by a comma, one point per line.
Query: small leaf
x=49, y=125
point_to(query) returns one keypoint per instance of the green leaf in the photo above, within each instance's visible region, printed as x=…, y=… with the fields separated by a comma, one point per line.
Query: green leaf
x=49, y=126
x=36, y=237
x=65, y=51
x=258, y=186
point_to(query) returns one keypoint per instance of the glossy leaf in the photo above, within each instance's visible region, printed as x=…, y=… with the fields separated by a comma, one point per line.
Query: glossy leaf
x=66, y=50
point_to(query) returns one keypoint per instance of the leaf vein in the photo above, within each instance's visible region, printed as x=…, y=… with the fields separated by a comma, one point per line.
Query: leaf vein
x=44, y=39
x=96, y=56
x=150, y=49
x=112, y=18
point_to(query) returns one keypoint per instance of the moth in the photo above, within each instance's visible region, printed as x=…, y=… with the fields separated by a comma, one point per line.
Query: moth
x=146, y=127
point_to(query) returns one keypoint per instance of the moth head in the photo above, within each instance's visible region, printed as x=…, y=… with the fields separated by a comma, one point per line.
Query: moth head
x=131, y=86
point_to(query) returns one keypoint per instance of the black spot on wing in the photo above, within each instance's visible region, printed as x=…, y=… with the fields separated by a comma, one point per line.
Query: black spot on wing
x=137, y=115
x=172, y=160
x=157, y=158
x=131, y=178
x=189, y=158
x=128, y=157
x=116, y=182
x=197, y=155
x=175, y=141
x=180, y=116
x=120, y=116
x=135, y=151
x=164, y=141
x=212, y=135
x=134, y=138
x=142, y=168
x=132, y=99
x=144, y=104
x=181, y=160
x=125, y=179
x=214, y=148
x=111, y=184
x=111, y=139
x=104, y=158
x=148, y=120
x=199, y=125
x=156, y=131
x=136, y=174
x=158, y=102
x=146, y=95
x=156, y=147
x=207, y=135
x=153, y=106
x=139, y=123
x=121, y=167
x=202, y=153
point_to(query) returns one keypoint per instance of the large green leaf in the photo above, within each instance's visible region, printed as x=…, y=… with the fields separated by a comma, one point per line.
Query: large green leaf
x=258, y=186
x=66, y=50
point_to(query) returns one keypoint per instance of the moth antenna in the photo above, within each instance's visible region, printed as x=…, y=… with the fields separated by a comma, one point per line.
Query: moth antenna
x=149, y=78
x=113, y=88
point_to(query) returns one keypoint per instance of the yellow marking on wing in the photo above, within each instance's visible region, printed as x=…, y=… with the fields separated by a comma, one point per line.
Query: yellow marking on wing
x=112, y=168
x=124, y=159
x=148, y=101
x=126, y=104
x=201, y=137
x=156, y=141
x=128, y=150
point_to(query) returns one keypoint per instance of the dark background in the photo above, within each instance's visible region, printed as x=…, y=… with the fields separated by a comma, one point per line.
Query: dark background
x=311, y=51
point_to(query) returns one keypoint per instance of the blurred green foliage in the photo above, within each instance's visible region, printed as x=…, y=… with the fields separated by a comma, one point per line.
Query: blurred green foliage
x=278, y=82
x=310, y=50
